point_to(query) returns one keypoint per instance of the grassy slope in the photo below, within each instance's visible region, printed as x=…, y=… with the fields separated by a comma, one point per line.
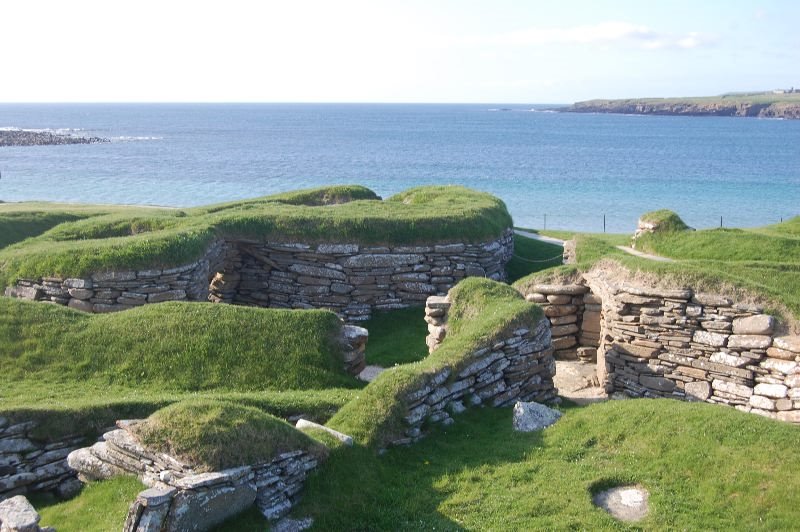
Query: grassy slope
x=706, y=467
x=71, y=369
x=175, y=346
x=481, y=310
x=161, y=238
x=762, y=261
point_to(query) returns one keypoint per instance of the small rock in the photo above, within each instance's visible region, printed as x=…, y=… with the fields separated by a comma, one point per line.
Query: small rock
x=529, y=417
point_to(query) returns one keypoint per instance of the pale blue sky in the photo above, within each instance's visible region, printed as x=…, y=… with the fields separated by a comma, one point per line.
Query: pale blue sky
x=393, y=51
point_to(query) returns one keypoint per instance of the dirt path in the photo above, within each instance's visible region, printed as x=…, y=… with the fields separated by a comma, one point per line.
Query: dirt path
x=643, y=255
x=536, y=236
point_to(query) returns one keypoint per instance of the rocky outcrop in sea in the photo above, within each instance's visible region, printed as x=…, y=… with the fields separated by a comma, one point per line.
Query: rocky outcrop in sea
x=20, y=137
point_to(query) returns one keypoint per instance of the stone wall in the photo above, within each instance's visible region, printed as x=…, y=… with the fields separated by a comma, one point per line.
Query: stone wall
x=681, y=344
x=574, y=316
x=518, y=366
x=350, y=279
x=178, y=498
x=29, y=465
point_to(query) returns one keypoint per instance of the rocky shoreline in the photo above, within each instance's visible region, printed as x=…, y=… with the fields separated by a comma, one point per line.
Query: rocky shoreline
x=783, y=110
x=16, y=138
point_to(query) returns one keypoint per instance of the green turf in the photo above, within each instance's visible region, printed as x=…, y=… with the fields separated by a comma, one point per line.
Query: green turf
x=531, y=256
x=177, y=346
x=481, y=311
x=396, y=337
x=212, y=435
x=761, y=262
x=100, y=507
x=75, y=371
x=665, y=220
x=706, y=467
x=139, y=238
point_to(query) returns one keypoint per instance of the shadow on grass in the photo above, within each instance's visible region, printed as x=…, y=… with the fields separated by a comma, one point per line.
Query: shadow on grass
x=404, y=488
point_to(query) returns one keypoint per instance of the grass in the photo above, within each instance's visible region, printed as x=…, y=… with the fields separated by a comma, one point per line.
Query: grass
x=100, y=507
x=531, y=256
x=396, y=337
x=665, y=220
x=706, y=467
x=176, y=346
x=72, y=370
x=481, y=311
x=133, y=238
x=761, y=264
x=212, y=435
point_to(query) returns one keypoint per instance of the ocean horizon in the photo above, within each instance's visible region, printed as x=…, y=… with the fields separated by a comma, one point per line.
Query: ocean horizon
x=566, y=171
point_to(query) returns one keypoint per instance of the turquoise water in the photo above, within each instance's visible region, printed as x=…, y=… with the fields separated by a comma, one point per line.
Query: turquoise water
x=573, y=168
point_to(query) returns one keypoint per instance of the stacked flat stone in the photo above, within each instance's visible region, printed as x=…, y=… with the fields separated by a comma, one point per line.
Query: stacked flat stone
x=436, y=308
x=564, y=306
x=121, y=290
x=519, y=366
x=686, y=345
x=350, y=279
x=29, y=465
x=178, y=498
x=354, y=343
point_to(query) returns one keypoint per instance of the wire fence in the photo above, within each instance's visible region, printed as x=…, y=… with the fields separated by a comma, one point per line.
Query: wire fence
x=621, y=223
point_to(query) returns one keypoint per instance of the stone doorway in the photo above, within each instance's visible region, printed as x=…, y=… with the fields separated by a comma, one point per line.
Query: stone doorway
x=575, y=316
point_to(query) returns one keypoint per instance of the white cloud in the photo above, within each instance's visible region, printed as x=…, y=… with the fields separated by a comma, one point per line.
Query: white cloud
x=604, y=33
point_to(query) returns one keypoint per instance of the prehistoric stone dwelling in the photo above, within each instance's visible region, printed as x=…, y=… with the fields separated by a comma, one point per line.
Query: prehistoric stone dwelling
x=675, y=343
x=349, y=278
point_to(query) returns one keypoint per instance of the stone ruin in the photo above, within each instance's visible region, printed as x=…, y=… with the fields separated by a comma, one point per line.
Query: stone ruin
x=350, y=279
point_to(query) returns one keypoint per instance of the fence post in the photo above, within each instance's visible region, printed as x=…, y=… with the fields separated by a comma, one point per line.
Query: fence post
x=720, y=222
x=604, y=222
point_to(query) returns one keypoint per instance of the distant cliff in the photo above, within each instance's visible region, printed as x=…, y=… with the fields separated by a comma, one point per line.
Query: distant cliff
x=42, y=138
x=760, y=105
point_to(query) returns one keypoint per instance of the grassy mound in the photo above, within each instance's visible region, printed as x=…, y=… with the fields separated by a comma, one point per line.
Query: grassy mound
x=214, y=435
x=175, y=346
x=124, y=239
x=665, y=220
x=75, y=372
x=481, y=311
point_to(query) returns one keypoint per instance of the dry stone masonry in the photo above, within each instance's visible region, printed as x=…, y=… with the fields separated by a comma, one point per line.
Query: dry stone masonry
x=574, y=316
x=348, y=278
x=29, y=465
x=655, y=342
x=181, y=499
x=517, y=367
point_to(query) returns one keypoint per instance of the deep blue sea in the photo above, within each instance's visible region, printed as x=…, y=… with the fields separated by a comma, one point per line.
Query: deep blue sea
x=573, y=168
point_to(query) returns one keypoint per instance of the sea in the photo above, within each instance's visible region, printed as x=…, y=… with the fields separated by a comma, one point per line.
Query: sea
x=584, y=172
